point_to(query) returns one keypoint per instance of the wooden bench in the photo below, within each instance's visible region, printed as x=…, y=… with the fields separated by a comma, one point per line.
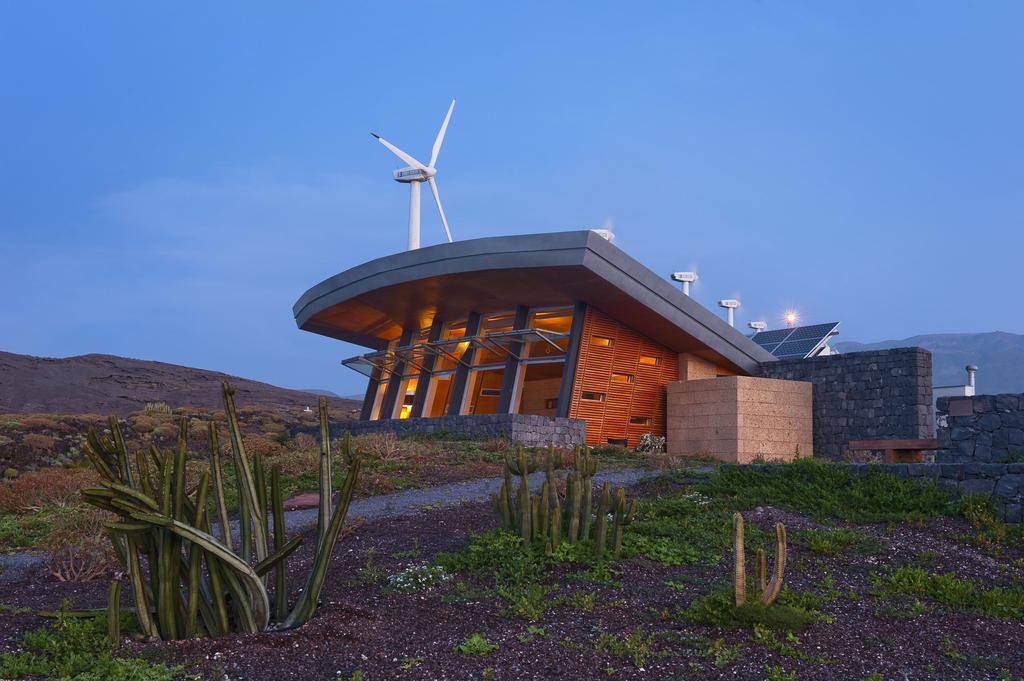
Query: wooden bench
x=898, y=451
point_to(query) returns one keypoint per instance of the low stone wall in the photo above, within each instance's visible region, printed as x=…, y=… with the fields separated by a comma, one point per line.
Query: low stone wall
x=983, y=428
x=525, y=429
x=864, y=395
x=1003, y=483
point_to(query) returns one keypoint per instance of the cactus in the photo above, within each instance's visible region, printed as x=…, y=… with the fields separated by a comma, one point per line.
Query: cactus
x=541, y=516
x=623, y=518
x=739, y=559
x=164, y=536
x=114, y=615
x=774, y=587
x=769, y=589
x=762, y=571
x=604, y=507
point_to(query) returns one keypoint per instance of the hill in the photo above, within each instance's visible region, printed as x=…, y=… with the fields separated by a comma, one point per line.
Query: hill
x=107, y=384
x=998, y=355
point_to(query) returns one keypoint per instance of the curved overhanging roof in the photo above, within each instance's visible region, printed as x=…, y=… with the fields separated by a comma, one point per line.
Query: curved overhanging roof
x=371, y=303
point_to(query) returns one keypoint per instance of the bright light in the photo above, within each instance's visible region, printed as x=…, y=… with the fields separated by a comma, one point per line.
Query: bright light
x=791, y=318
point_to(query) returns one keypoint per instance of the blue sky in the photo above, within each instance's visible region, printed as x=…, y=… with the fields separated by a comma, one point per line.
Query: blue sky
x=174, y=175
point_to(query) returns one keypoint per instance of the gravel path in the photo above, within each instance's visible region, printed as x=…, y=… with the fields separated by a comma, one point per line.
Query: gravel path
x=15, y=566
x=481, y=489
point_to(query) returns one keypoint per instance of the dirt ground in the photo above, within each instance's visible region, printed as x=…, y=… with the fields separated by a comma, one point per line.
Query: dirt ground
x=362, y=626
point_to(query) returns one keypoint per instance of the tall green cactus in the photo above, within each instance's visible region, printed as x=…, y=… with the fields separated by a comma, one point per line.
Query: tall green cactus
x=541, y=516
x=164, y=536
x=769, y=590
x=739, y=559
x=114, y=615
x=774, y=586
x=623, y=518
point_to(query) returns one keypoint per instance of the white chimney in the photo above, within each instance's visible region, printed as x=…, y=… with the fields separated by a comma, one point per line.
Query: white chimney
x=971, y=371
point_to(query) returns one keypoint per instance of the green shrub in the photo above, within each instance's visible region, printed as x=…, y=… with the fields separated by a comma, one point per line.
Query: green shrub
x=498, y=553
x=682, y=529
x=822, y=490
x=720, y=610
x=638, y=646
x=476, y=644
x=527, y=601
x=956, y=594
x=77, y=649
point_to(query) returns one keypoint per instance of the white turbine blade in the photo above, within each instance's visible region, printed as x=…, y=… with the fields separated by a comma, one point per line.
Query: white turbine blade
x=437, y=199
x=440, y=137
x=399, y=153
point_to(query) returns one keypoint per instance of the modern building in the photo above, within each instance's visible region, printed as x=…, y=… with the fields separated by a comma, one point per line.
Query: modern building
x=555, y=325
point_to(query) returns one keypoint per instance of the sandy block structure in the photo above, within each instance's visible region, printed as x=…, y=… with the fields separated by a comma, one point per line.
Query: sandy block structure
x=740, y=419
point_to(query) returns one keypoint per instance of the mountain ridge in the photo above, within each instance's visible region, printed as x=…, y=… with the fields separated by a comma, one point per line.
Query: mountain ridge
x=101, y=383
x=999, y=356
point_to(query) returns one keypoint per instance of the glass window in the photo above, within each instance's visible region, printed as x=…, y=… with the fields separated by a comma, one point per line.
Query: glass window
x=378, y=396
x=649, y=361
x=621, y=378
x=602, y=341
x=483, y=391
x=445, y=358
x=537, y=392
x=558, y=321
x=639, y=420
x=592, y=396
x=496, y=323
x=406, y=394
x=438, y=393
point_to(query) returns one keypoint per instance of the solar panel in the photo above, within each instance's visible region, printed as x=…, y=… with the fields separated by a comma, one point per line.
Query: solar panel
x=776, y=336
x=799, y=342
x=797, y=348
x=813, y=331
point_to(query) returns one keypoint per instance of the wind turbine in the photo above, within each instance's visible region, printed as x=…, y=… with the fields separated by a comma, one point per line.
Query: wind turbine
x=416, y=174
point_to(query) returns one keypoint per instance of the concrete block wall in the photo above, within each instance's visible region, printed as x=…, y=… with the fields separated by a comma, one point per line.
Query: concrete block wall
x=983, y=428
x=739, y=418
x=864, y=396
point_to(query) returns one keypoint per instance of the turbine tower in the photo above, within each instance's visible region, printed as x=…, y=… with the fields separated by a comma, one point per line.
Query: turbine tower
x=416, y=174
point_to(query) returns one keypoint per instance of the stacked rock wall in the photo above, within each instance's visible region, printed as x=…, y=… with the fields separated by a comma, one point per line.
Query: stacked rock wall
x=981, y=429
x=526, y=429
x=880, y=394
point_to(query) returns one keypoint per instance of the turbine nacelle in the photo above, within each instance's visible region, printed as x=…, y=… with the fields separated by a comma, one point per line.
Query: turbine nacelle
x=415, y=174
x=411, y=174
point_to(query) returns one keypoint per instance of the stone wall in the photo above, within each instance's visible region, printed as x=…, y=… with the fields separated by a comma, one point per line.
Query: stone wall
x=983, y=428
x=739, y=418
x=864, y=395
x=526, y=429
x=1002, y=483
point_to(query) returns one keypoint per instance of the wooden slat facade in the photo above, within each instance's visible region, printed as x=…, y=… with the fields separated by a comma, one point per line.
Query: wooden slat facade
x=642, y=397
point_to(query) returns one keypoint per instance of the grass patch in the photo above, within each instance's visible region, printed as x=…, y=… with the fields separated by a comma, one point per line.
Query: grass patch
x=77, y=649
x=826, y=490
x=990, y=532
x=956, y=594
x=833, y=541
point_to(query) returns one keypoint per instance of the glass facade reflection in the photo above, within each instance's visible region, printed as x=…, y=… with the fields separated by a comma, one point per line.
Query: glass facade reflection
x=509, y=361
